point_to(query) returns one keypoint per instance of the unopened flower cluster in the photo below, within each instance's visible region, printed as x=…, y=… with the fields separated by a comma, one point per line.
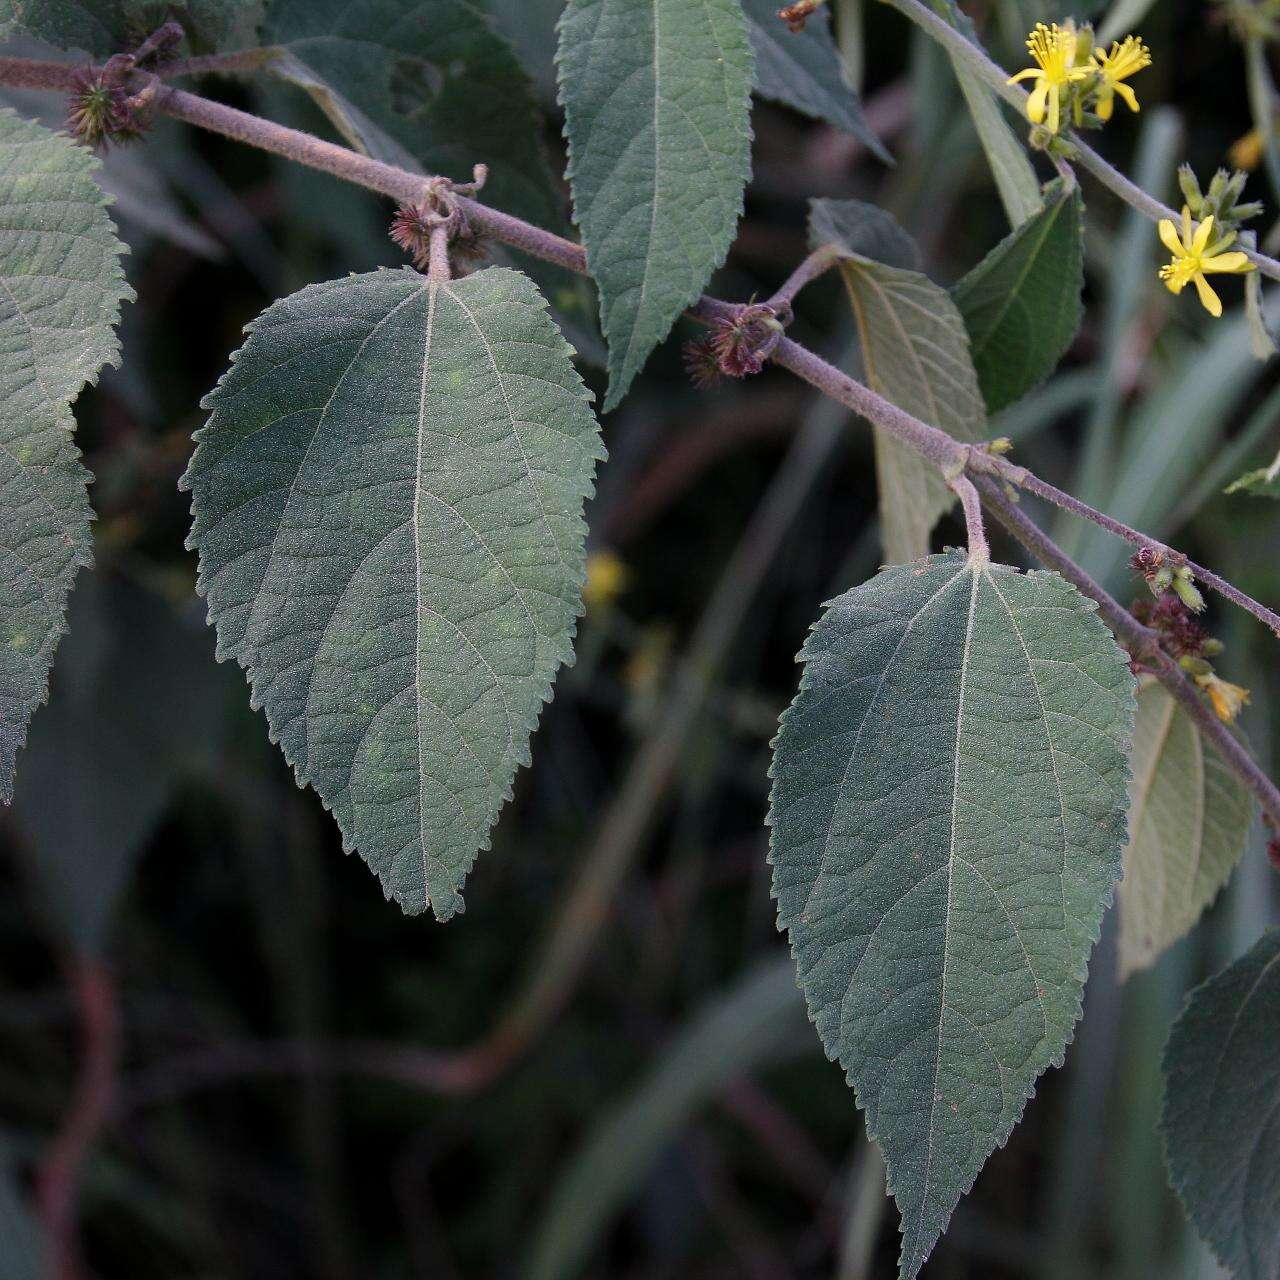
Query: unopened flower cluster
x=1076, y=82
x=1172, y=615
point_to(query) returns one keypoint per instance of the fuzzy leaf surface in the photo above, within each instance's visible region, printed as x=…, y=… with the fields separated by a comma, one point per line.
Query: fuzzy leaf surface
x=61, y=287
x=915, y=352
x=1021, y=303
x=1188, y=823
x=802, y=70
x=948, y=813
x=387, y=503
x=1221, y=1118
x=657, y=113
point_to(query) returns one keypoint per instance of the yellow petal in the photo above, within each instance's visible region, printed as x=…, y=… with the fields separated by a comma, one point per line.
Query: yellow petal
x=1169, y=237
x=1203, y=232
x=1023, y=75
x=1131, y=98
x=1054, y=104
x=1186, y=228
x=1106, y=103
x=1235, y=261
x=1210, y=300
x=1036, y=102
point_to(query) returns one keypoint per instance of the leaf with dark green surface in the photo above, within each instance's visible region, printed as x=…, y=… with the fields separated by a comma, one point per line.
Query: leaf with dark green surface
x=802, y=70
x=61, y=287
x=387, y=503
x=1221, y=1118
x=103, y=27
x=137, y=705
x=915, y=352
x=657, y=113
x=431, y=86
x=1188, y=823
x=1021, y=303
x=948, y=814
x=865, y=230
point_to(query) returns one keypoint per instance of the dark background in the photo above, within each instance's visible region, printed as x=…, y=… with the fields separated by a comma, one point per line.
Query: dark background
x=305, y=1083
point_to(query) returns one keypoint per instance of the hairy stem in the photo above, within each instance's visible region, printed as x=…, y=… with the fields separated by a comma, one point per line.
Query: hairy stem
x=1087, y=158
x=818, y=263
x=1142, y=642
x=963, y=488
x=949, y=455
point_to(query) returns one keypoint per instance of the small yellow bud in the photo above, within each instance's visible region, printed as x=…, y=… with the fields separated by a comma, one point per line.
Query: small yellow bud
x=607, y=578
x=1227, y=698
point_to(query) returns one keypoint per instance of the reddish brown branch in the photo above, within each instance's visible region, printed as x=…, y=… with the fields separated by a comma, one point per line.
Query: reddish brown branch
x=58, y=1181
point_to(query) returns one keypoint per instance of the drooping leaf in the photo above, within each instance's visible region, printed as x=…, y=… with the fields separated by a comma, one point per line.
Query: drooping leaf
x=1221, y=1118
x=1011, y=170
x=431, y=86
x=104, y=27
x=862, y=230
x=387, y=503
x=802, y=70
x=1021, y=303
x=758, y=1021
x=948, y=813
x=61, y=287
x=1262, y=483
x=137, y=705
x=657, y=113
x=915, y=352
x=1188, y=822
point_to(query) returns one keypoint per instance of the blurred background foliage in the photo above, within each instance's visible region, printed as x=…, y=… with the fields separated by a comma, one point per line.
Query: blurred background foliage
x=300, y=1081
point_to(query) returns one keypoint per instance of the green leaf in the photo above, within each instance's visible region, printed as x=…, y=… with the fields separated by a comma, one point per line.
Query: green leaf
x=1188, y=822
x=387, y=503
x=1262, y=483
x=430, y=85
x=1012, y=171
x=425, y=84
x=657, y=113
x=802, y=70
x=756, y=1022
x=915, y=352
x=1021, y=303
x=103, y=27
x=948, y=813
x=862, y=230
x=61, y=287
x=1221, y=1118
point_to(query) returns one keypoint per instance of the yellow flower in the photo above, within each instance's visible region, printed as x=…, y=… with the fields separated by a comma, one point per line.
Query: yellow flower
x=1054, y=50
x=607, y=578
x=1227, y=698
x=1123, y=61
x=1194, y=257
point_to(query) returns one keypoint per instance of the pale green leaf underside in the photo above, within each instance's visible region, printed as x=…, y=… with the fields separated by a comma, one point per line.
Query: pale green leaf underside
x=387, y=503
x=1021, y=303
x=657, y=113
x=861, y=230
x=948, y=811
x=61, y=287
x=802, y=70
x=1188, y=822
x=1221, y=1117
x=915, y=353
